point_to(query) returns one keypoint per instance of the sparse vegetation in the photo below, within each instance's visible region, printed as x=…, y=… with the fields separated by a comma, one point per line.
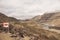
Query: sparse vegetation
x=27, y=30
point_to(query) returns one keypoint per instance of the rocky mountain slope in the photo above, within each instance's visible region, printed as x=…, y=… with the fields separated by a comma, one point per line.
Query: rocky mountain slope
x=6, y=18
x=37, y=18
x=28, y=29
x=50, y=18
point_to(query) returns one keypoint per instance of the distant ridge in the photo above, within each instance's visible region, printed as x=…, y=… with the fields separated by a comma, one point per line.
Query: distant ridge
x=3, y=18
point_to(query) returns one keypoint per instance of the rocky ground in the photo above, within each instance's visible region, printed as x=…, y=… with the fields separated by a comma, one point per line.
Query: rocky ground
x=32, y=29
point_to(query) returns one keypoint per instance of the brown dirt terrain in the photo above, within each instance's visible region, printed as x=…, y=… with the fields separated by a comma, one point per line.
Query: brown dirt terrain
x=31, y=30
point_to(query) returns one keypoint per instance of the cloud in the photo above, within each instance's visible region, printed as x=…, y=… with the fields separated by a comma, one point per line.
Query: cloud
x=28, y=8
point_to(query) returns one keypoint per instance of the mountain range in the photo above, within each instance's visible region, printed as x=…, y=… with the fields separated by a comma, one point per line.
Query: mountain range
x=33, y=27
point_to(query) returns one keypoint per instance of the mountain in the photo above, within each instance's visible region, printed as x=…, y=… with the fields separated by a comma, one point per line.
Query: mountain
x=30, y=29
x=53, y=18
x=50, y=18
x=43, y=18
x=37, y=18
x=4, y=18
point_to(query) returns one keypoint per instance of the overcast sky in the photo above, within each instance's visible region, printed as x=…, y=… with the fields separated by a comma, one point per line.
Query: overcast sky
x=24, y=9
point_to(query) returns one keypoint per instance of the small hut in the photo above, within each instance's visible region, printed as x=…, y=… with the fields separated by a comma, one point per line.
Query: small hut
x=4, y=26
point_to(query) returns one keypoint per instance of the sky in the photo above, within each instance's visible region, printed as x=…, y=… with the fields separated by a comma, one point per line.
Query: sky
x=25, y=9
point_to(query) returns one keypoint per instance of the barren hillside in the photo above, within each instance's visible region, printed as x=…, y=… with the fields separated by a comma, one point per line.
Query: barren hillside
x=29, y=29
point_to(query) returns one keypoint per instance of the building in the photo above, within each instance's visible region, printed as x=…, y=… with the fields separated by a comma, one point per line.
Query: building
x=4, y=26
